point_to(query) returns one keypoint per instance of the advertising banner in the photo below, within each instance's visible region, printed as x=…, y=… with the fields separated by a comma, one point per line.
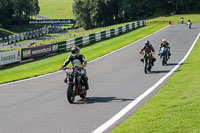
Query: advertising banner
x=10, y=57
x=39, y=51
x=46, y=21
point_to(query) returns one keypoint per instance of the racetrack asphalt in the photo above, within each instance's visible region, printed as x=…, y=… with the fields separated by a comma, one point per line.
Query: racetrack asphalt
x=40, y=105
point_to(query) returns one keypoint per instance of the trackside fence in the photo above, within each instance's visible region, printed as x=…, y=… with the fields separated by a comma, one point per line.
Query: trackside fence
x=10, y=57
x=29, y=35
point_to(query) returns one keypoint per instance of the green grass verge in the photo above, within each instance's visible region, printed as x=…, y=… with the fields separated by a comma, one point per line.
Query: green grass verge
x=56, y=9
x=4, y=32
x=175, y=108
x=175, y=19
x=52, y=64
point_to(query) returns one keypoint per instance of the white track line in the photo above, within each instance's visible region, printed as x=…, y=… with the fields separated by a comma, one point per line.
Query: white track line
x=19, y=81
x=119, y=115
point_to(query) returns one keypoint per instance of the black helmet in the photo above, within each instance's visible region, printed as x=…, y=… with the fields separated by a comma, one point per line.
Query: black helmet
x=75, y=50
x=147, y=42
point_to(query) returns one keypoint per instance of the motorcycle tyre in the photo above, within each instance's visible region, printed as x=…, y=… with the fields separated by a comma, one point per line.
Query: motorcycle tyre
x=70, y=94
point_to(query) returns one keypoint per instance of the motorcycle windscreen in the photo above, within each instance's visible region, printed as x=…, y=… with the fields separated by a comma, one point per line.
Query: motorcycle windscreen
x=163, y=50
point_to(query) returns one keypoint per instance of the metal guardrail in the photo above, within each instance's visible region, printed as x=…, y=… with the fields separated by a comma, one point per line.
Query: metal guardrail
x=102, y=35
x=29, y=35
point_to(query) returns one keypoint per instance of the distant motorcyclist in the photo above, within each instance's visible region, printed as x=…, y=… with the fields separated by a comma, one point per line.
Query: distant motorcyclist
x=182, y=19
x=77, y=60
x=166, y=45
x=148, y=48
x=189, y=23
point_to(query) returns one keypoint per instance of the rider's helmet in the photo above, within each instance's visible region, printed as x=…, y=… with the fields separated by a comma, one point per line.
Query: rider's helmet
x=147, y=43
x=75, y=51
x=164, y=40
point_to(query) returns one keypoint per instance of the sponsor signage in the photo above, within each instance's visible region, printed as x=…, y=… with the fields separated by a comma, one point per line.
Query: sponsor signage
x=46, y=21
x=39, y=51
x=10, y=57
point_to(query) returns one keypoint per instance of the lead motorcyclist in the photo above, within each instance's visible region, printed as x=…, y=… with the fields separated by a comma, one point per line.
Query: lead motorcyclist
x=148, y=48
x=166, y=45
x=77, y=59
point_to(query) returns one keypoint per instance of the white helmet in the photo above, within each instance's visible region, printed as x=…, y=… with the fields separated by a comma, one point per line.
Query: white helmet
x=164, y=40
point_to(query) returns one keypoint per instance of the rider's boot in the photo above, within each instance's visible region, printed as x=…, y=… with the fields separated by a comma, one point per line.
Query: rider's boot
x=86, y=86
x=169, y=54
x=85, y=79
x=153, y=60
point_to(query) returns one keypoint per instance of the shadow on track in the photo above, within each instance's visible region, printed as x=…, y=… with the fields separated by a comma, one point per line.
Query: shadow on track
x=172, y=64
x=91, y=100
x=193, y=28
x=160, y=71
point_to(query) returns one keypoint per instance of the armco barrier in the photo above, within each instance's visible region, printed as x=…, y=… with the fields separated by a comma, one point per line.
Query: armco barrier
x=29, y=35
x=99, y=36
x=102, y=35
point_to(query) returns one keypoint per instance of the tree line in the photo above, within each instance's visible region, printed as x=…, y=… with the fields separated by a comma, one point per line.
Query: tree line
x=99, y=13
x=12, y=10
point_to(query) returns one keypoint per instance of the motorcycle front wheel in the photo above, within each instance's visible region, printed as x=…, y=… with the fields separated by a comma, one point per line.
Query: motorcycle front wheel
x=70, y=94
x=145, y=67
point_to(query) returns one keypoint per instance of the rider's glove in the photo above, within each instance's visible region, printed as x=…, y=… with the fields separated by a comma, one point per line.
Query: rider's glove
x=62, y=67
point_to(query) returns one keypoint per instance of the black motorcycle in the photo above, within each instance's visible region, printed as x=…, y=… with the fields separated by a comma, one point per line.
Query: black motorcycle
x=76, y=85
x=147, y=62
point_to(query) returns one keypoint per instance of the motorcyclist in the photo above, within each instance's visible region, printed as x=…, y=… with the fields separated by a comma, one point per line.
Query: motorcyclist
x=77, y=60
x=148, y=48
x=165, y=44
x=189, y=22
x=182, y=19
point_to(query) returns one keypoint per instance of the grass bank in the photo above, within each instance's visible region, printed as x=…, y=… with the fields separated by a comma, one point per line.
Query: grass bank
x=52, y=64
x=175, y=19
x=175, y=108
x=56, y=9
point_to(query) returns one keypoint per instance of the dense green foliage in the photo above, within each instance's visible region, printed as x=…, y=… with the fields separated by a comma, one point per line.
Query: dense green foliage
x=98, y=13
x=17, y=9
